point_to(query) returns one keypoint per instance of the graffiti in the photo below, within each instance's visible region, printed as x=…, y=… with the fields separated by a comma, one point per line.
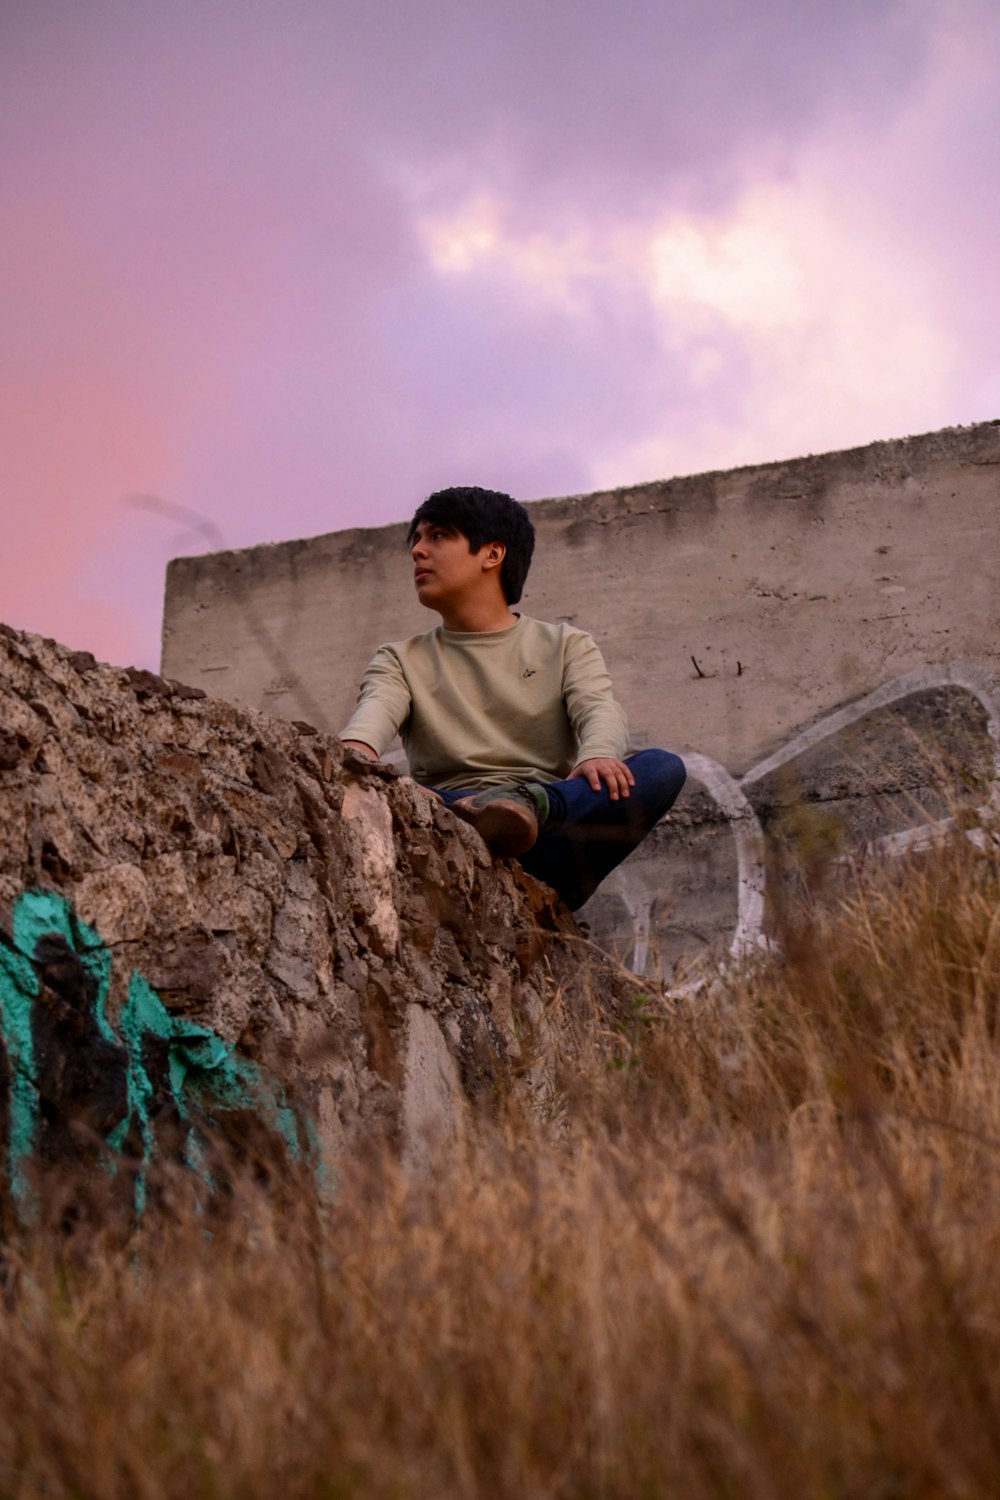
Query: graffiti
x=730, y=795
x=77, y=1090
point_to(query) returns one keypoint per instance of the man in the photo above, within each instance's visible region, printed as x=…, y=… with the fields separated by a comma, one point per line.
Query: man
x=509, y=720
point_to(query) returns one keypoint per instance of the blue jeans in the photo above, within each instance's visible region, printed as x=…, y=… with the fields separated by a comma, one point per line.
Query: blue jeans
x=586, y=834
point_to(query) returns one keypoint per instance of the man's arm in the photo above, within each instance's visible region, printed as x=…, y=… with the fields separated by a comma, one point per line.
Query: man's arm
x=598, y=719
x=383, y=705
x=361, y=748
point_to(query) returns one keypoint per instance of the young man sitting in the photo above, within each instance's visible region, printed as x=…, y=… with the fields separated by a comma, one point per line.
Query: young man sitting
x=510, y=721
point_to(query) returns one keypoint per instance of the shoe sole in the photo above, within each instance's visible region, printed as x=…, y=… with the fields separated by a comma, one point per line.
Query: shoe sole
x=507, y=828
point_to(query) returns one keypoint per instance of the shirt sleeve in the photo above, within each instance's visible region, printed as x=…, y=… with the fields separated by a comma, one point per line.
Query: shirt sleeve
x=598, y=720
x=383, y=703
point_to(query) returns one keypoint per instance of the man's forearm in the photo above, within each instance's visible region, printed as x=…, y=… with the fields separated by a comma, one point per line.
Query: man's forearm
x=361, y=748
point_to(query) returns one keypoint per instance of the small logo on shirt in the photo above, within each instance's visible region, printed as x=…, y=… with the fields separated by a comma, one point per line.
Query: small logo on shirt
x=529, y=672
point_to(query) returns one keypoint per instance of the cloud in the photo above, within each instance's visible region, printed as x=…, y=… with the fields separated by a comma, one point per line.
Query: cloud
x=793, y=317
x=617, y=106
x=736, y=337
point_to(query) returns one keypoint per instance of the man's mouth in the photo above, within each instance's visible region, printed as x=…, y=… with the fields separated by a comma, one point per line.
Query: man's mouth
x=421, y=573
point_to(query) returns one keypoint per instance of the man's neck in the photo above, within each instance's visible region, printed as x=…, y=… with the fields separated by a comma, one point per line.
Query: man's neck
x=478, y=617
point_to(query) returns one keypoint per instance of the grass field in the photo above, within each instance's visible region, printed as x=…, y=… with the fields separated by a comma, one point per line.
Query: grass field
x=755, y=1253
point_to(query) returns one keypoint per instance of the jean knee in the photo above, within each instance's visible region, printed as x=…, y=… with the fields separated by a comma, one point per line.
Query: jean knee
x=660, y=775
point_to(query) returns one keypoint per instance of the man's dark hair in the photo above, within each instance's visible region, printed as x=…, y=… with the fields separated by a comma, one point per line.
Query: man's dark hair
x=483, y=516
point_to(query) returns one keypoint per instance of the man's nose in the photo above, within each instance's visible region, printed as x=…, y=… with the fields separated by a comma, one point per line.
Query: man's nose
x=418, y=549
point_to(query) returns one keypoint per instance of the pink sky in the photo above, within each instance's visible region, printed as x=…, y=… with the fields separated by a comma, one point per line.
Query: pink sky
x=292, y=266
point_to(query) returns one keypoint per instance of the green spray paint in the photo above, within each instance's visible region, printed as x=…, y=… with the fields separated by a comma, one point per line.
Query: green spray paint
x=205, y=1075
x=18, y=989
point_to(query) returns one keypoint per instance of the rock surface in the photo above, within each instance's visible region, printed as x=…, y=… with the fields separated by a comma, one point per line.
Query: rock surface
x=318, y=916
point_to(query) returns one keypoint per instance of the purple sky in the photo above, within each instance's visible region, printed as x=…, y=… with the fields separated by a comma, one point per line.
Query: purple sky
x=292, y=266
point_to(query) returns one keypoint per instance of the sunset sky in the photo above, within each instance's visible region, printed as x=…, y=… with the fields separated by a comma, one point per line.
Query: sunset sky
x=288, y=267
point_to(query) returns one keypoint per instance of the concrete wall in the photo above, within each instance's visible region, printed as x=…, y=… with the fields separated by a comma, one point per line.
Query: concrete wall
x=738, y=612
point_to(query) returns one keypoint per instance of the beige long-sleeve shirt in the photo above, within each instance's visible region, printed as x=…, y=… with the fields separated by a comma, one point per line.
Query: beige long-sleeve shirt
x=476, y=709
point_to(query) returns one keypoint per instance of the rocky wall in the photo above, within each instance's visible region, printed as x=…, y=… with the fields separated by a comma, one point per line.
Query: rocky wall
x=207, y=914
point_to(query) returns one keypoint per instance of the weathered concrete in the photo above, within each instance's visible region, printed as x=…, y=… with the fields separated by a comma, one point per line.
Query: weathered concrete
x=735, y=611
x=216, y=910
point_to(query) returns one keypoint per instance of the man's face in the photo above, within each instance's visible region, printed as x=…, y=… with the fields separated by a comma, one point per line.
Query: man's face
x=445, y=572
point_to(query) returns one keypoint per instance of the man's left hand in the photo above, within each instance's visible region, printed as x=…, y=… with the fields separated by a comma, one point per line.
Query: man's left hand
x=614, y=773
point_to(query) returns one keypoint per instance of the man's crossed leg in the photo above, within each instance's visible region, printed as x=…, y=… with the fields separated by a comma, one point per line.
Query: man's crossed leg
x=582, y=834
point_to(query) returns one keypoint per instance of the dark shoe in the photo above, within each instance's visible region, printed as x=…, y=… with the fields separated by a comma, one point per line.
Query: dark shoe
x=507, y=818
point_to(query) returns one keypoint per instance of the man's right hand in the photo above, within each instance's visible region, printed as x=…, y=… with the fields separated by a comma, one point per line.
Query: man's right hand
x=361, y=748
x=607, y=768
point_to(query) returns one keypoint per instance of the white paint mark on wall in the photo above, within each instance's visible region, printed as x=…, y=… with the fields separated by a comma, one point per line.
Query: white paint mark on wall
x=749, y=836
x=730, y=796
x=965, y=675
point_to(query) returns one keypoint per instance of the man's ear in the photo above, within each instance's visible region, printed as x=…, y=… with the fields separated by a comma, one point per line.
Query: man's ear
x=495, y=554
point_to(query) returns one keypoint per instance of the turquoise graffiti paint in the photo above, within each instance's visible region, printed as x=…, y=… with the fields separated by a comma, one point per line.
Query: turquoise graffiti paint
x=18, y=989
x=205, y=1076
x=205, y=1073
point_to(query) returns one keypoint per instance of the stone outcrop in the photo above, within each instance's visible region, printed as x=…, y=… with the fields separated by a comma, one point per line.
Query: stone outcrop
x=252, y=917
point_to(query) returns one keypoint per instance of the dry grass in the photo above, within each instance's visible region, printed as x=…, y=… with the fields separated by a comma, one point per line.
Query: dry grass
x=762, y=1260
